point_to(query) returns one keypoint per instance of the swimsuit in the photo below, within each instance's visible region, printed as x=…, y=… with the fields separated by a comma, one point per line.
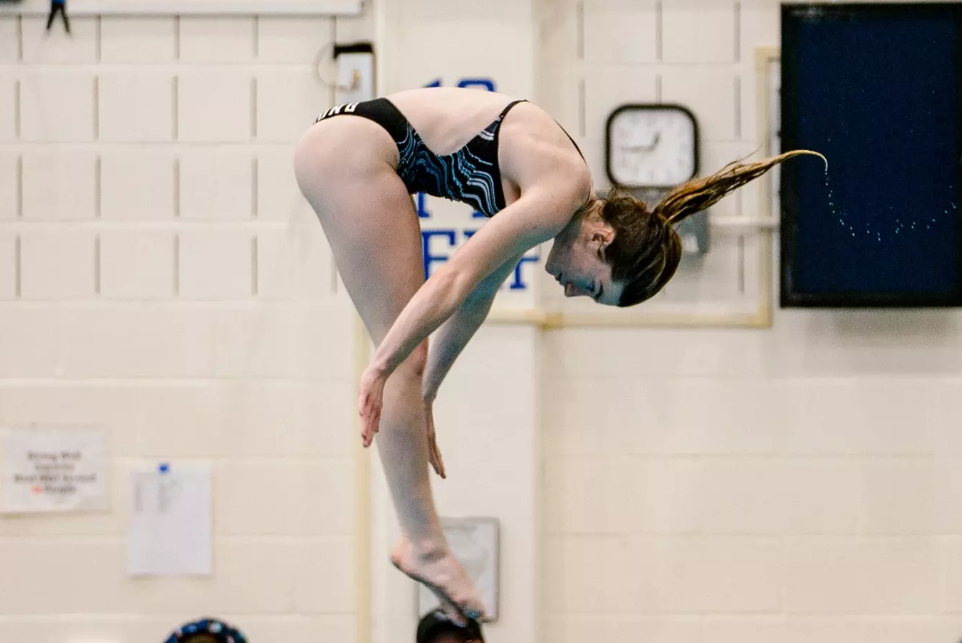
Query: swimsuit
x=470, y=175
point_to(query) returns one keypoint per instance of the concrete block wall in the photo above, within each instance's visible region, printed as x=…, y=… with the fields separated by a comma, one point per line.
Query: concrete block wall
x=794, y=484
x=162, y=277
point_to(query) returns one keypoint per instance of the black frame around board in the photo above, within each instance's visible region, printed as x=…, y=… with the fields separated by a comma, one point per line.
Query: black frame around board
x=791, y=14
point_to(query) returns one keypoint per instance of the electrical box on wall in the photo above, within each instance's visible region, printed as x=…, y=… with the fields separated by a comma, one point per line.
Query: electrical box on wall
x=355, y=72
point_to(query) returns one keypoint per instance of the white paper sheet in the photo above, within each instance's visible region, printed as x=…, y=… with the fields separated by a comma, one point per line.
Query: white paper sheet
x=53, y=470
x=170, y=522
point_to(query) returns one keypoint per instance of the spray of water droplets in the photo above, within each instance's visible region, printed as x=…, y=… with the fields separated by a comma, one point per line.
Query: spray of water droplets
x=899, y=226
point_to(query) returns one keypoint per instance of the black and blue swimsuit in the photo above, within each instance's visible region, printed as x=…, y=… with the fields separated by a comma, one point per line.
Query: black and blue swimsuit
x=470, y=175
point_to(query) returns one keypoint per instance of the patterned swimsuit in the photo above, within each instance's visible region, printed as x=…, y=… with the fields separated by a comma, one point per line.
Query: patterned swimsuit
x=470, y=175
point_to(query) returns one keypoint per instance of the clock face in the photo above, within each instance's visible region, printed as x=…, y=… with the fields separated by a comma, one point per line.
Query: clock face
x=652, y=146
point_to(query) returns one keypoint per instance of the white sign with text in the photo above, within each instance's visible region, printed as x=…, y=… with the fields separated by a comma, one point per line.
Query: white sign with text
x=53, y=470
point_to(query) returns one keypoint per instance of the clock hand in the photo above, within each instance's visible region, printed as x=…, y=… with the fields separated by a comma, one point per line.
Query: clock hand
x=647, y=148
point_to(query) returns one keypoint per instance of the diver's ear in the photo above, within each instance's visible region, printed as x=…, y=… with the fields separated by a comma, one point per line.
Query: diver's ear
x=603, y=237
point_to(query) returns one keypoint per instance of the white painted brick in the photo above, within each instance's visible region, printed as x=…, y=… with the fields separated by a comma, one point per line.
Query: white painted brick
x=620, y=31
x=587, y=628
x=574, y=429
x=732, y=416
x=325, y=576
x=314, y=270
x=744, y=496
x=281, y=341
x=9, y=40
x=328, y=627
x=44, y=95
x=580, y=496
x=288, y=101
x=364, y=27
x=8, y=265
x=902, y=345
x=244, y=419
x=129, y=176
x=215, y=264
x=275, y=267
x=8, y=105
x=326, y=414
x=136, y=106
x=59, y=184
x=295, y=263
x=912, y=630
x=257, y=342
x=747, y=629
x=698, y=34
x=9, y=185
x=19, y=358
x=912, y=497
x=952, y=564
x=215, y=106
x=62, y=583
x=557, y=30
x=141, y=39
x=717, y=574
x=417, y=65
x=223, y=419
x=946, y=438
x=216, y=183
x=136, y=264
x=108, y=406
x=818, y=629
x=662, y=352
x=684, y=574
x=142, y=341
x=262, y=498
x=250, y=577
x=278, y=196
x=606, y=90
x=293, y=40
x=57, y=264
x=709, y=94
x=845, y=416
x=209, y=39
x=859, y=576
x=760, y=27
x=39, y=46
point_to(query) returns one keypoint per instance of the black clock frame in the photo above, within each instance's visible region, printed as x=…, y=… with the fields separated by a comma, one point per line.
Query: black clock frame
x=656, y=107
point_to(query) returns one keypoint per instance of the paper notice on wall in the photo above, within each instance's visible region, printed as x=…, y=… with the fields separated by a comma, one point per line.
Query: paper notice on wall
x=48, y=470
x=170, y=522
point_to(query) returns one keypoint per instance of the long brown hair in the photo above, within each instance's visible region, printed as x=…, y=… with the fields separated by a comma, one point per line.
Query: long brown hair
x=646, y=249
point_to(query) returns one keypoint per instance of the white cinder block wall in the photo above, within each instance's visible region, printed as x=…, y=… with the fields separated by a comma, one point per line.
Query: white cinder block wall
x=161, y=276
x=798, y=484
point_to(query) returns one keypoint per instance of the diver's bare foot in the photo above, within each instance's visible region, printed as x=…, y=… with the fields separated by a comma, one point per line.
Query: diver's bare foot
x=440, y=571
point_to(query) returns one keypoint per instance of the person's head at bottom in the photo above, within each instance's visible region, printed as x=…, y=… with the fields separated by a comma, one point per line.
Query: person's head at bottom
x=620, y=252
x=437, y=627
x=206, y=630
